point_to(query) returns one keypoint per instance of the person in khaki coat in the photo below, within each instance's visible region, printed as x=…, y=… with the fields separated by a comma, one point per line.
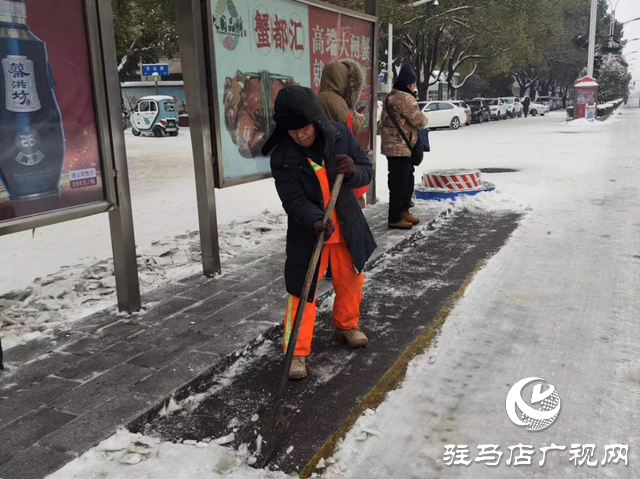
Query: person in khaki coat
x=404, y=107
x=341, y=86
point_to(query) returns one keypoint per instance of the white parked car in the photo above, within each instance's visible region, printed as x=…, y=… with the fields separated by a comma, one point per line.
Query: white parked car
x=443, y=114
x=514, y=106
x=551, y=102
x=536, y=109
x=498, y=108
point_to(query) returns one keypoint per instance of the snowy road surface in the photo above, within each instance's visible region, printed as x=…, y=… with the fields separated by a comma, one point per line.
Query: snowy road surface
x=164, y=204
x=561, y=301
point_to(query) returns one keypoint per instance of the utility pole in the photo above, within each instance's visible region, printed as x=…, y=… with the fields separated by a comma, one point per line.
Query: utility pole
x=592, y=37
x=390, y=59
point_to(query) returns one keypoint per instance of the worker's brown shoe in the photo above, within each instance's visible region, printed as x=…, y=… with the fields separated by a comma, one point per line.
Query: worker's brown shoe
x=400, y=225
x=409, y=218
x=355, y=337
x=298, y=368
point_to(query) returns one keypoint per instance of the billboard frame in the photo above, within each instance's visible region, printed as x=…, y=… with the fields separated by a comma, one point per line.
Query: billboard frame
x=113, y=159
x=220, y=181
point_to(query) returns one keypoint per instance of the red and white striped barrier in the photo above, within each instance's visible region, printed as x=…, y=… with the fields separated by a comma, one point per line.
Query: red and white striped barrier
x=454, y=180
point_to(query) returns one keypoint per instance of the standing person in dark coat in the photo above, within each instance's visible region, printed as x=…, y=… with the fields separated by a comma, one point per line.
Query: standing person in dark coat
x=309, y=152
x=526, y=103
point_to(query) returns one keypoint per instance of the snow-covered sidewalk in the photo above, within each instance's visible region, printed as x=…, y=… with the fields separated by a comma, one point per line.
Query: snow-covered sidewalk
x=133, y=456
x=74, y=292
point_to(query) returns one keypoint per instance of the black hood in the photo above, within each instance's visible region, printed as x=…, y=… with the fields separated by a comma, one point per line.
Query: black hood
x=292, y=103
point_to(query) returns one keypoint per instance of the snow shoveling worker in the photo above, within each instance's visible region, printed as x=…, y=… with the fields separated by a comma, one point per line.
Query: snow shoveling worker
x=403, y=105
x=341, y=86
x=309, y=153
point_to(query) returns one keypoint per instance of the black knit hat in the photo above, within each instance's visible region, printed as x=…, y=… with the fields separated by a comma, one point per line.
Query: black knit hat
x=295, y=107
x=291, y=120
x=407, y=75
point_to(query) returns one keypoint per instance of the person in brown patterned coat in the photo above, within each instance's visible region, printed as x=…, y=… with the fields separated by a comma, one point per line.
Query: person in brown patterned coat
x=404, y=107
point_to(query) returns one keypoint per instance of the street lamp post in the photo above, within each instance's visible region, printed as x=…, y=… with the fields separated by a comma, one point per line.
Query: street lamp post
x=629, y=21
x=592, y=37
x=390, y=44
x=612, y=23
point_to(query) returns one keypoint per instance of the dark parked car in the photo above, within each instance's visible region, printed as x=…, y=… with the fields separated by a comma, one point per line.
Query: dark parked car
x=480, y=111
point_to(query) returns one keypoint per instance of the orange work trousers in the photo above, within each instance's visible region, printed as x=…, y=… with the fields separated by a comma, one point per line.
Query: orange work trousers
x=347, y=284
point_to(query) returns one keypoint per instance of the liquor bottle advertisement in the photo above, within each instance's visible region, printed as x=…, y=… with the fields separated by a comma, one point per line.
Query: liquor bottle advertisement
x=49, y=155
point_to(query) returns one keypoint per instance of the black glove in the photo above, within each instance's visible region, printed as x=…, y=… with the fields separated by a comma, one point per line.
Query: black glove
x=345, y=165
x=329, y=228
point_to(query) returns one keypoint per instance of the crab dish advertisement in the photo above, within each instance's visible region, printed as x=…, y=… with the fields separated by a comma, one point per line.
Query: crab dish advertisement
x=261, y=47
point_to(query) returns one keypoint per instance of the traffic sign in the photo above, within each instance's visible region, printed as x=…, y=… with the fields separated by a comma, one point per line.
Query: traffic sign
x=162, y=69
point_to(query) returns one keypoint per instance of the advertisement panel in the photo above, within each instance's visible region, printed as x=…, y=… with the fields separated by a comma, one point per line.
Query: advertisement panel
x=584, y=96
x=261, y=47
x=49, y=158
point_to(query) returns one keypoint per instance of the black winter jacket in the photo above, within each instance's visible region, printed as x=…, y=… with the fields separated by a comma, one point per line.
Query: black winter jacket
x=299, y=190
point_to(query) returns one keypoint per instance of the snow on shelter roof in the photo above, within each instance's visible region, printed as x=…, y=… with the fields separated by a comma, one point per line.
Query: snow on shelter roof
x=586, y=82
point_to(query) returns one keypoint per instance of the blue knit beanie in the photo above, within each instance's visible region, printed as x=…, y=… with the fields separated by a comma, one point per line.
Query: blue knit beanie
x=407, y=75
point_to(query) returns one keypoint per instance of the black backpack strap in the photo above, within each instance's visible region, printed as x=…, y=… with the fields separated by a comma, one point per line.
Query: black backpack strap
x=395, y=123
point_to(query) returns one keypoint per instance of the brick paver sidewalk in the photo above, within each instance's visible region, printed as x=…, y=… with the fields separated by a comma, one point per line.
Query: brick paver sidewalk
x=61, y=396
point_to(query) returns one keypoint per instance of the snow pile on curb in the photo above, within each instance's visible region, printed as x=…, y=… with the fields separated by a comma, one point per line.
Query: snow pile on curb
x=126, y=455
x=494, y=201
x=362, y=431
x=77, y=291
x=582, y=124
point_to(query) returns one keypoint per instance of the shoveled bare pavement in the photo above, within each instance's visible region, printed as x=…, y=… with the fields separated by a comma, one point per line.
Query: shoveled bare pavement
x=561, y=301
x=402, y=303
